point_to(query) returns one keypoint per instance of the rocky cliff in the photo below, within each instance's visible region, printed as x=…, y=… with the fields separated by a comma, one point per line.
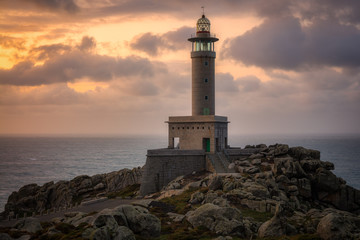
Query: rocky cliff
x=33, y=198
x=275, y=193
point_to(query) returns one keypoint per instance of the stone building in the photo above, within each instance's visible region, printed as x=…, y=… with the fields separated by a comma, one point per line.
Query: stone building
x=197, y=142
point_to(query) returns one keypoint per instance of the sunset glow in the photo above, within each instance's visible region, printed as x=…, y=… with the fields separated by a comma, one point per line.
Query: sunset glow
x=122, y=67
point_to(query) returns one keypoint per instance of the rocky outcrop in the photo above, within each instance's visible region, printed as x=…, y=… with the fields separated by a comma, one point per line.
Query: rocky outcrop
x=33, y=198
x=297, y=176
x=31, y=225
x=121, y=222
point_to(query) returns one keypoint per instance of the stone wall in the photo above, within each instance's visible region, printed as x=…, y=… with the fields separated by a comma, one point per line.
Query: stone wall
x=164, y=165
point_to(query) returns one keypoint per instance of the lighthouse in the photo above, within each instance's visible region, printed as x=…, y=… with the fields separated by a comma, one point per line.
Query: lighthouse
x=203, y=130
x=200, y=141
x=203, y=69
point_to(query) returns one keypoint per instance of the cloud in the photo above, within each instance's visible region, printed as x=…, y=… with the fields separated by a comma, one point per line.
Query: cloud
x=55, y=5
x=249, y=83
x=48, y=51
x=11, y=42
x=87, y=43
x=66, y=64
x=284, y=44
x=225, y=83
x=153, y=44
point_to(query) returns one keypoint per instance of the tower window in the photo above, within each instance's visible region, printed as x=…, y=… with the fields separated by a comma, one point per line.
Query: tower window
x=206, y=97
x=206, y=80
x=206, y=63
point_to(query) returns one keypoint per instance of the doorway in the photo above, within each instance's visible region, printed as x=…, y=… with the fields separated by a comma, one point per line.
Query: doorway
x=206, y=144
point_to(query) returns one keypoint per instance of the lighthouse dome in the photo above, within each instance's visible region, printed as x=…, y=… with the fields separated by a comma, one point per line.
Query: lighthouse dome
x=203, y=25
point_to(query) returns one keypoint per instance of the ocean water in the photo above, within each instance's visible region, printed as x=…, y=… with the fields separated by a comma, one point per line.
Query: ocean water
x=25, y=160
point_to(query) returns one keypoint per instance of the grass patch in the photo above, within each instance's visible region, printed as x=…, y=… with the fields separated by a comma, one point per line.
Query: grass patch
x=127, y=192
x=257, y=216
x=181, y=201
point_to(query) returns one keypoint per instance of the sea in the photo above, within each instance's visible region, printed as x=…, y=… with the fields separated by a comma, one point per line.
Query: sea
x=40, y=159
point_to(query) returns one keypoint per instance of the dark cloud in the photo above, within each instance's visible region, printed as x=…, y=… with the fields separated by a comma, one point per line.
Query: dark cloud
x=283, y=43
x=148, y=43
x=154, y=44
x=47, y=51
x=87, y=43
x=55, y=5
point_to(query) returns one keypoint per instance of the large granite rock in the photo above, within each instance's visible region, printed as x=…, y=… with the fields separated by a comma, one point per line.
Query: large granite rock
x=221, y=220
x=338, y=226
x=277, y=225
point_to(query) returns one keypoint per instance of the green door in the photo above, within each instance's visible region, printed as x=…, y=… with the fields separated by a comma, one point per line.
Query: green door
x=206, y=144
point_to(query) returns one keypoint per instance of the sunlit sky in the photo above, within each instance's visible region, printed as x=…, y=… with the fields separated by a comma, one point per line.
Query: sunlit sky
x=122, y=67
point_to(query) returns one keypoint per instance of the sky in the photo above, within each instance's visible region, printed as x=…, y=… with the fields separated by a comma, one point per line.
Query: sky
x=121, y=67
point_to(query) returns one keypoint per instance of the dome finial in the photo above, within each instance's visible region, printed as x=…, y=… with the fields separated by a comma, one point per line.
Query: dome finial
x=203, y=11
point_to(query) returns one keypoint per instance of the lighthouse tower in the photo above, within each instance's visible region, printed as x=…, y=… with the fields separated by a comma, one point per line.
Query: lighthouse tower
x=203, y=130
x=203, y=69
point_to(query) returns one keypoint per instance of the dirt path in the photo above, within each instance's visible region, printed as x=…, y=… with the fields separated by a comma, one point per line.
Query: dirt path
x=87, y=208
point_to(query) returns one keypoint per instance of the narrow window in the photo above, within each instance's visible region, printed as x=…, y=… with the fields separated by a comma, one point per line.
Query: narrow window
x=173, y=128
x=206, y=63
x=187, y=127
x=206, y=97
x=206, y=80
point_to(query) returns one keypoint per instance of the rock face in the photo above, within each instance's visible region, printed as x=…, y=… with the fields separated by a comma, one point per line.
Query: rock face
x=121, y=223
x=31, y=225
x=339, y=225
x=221, y=220
x=33, y=198
x=297, y=176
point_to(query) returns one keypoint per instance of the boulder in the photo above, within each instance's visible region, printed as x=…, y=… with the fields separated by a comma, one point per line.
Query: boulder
x=196, y=197
x=287, y=166
x=31, y=225
x=337, y=226
x=140, y=221
x=277, y=225
x=300, y=153
x=221, y=220
x=281, y=149
x=215, y=183
x=5, y=236
x=326, y=181
x=124, y=233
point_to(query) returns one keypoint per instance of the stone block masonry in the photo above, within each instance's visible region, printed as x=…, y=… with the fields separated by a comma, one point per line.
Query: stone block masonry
x=164, y=165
